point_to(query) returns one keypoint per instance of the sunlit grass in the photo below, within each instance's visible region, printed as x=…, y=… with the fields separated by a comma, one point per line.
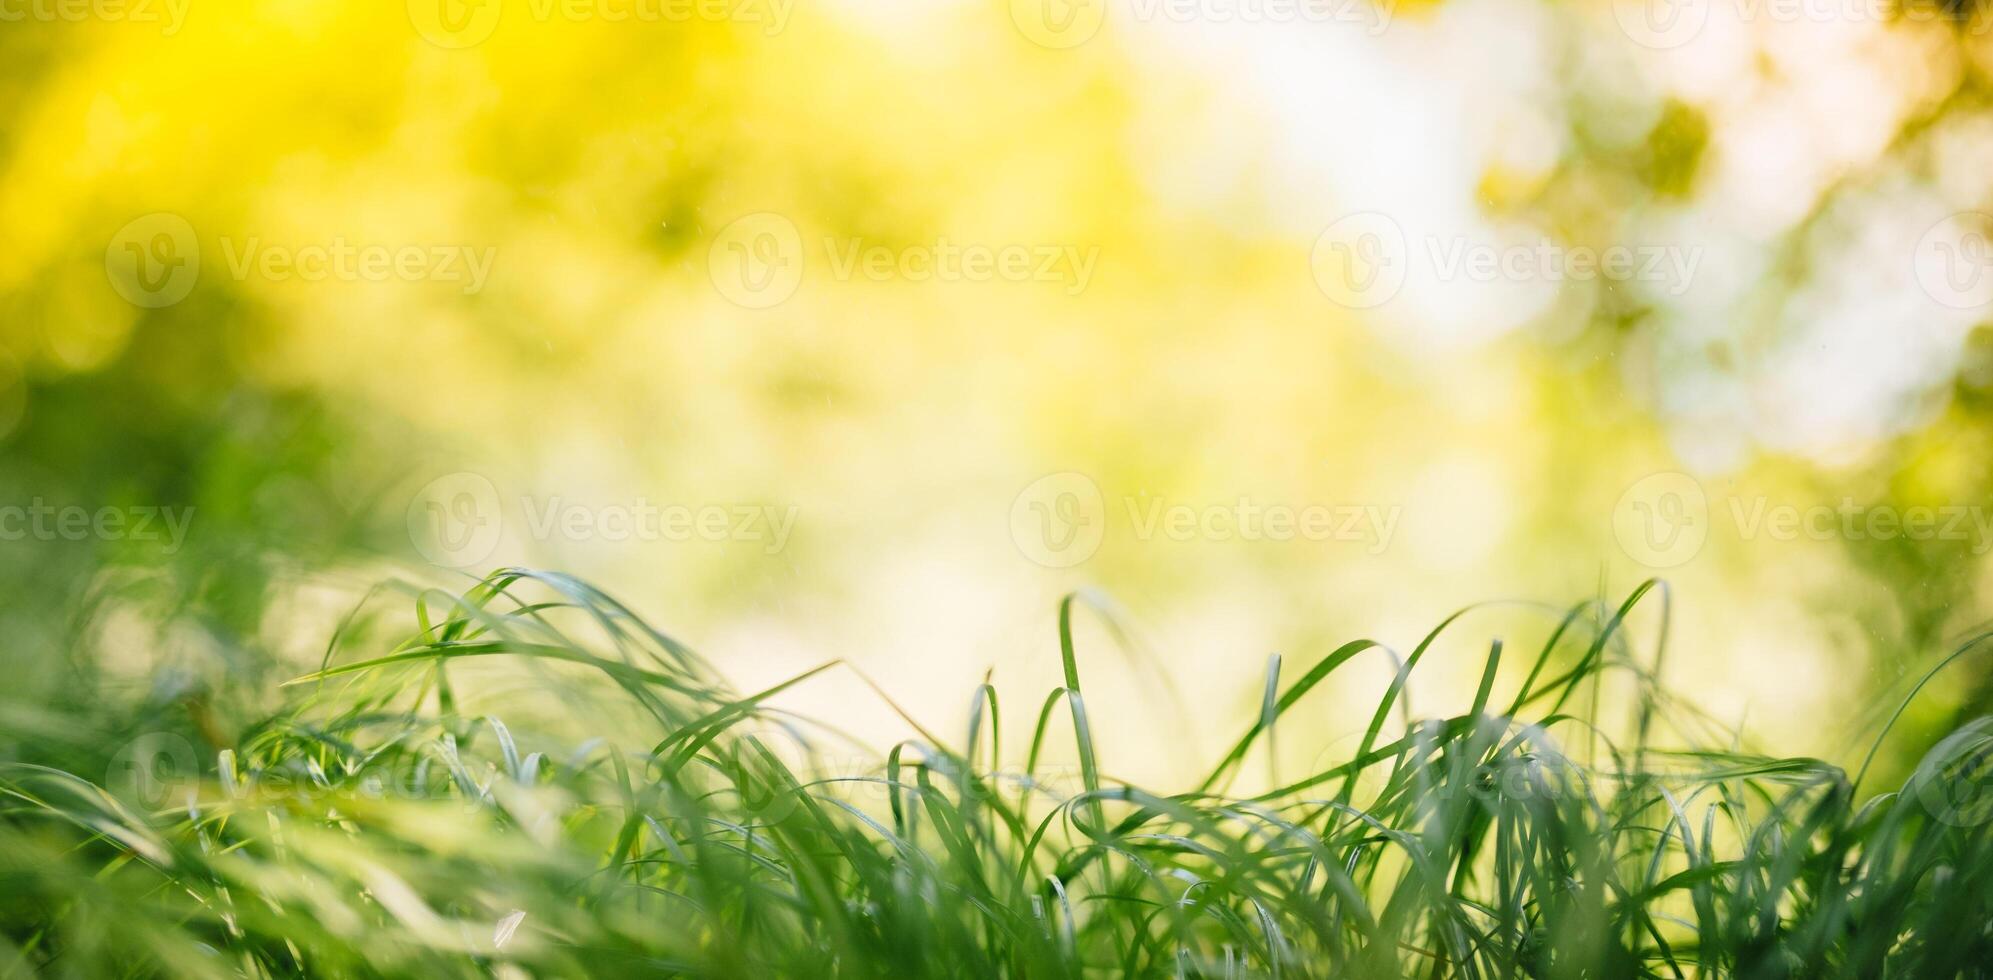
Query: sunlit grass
x=377, y=825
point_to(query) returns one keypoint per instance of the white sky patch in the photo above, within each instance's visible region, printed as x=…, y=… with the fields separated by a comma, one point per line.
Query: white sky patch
x=1281, y=127
x=1866, y=353
x=1402, y=122
x=1858, y=352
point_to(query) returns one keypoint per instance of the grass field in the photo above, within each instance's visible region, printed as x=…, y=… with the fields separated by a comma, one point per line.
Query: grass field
x=382, y=824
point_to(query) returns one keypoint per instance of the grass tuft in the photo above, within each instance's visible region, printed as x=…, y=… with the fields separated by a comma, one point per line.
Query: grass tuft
x=378, y=825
